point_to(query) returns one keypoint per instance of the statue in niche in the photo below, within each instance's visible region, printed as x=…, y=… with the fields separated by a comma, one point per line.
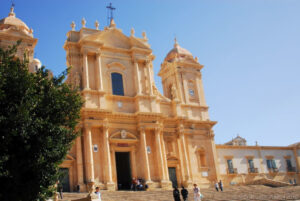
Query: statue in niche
x=76, y=80
x=173, y=92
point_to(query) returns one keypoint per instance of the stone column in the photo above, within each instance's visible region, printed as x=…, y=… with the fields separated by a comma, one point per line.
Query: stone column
x=89, y=160
x=164, y=156
x=86, y=84
x=188, y=181
x=148, y=66
x=99, y=67
x=160, y=160
x=138, y=80
x=145, y=155
x=79, y=164
x=109, y=180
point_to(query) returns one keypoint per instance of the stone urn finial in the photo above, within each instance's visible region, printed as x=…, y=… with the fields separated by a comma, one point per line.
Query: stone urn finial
x=144, y=35
x=97, y=25
x=132, y=31
x=73, y=25
x=83, y=22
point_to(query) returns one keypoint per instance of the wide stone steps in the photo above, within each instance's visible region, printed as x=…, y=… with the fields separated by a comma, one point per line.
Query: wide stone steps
x=234, y=193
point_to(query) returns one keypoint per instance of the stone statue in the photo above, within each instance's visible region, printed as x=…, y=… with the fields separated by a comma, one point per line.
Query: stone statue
x=173, y=92
x=76, y=80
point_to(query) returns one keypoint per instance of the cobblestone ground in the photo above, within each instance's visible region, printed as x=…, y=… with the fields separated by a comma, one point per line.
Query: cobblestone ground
x=236, y=193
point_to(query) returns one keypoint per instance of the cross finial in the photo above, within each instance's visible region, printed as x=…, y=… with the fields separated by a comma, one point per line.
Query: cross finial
x=110, y=13
x=175, y=42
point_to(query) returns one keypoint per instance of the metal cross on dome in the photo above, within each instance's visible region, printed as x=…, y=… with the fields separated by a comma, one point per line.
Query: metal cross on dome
x=110, y=13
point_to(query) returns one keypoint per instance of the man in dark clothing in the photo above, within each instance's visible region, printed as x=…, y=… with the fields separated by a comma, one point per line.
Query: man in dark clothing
x=221, y=185
x=176, y=194
x=184, y=193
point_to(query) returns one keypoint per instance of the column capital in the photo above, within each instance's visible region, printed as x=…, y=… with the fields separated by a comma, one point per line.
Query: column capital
x=142, y=129
x=98, y=53
x=84, y=50
x=105, y=125
x=87, y=126
x=180, y=129
x=147, y=62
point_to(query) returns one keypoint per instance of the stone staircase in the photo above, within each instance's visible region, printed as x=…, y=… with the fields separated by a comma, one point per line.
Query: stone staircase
x=232, y=193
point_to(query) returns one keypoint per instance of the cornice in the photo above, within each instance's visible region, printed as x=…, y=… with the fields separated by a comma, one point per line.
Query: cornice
x=220, y=146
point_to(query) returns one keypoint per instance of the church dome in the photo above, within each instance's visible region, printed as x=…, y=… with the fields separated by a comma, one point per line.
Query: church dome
x=178, y=53
x=13, y=21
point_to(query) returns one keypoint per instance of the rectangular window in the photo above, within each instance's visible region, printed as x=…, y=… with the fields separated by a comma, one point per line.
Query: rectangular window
x=117, y=84
x=288, y=163
x=271, y=164
x=251, y=164
x=231, y=170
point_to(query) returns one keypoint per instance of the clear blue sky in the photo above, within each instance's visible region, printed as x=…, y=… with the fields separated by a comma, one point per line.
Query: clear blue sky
x=250, y=50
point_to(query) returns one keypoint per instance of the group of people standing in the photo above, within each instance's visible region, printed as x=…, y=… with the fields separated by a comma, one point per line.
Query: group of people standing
x=184, y=192
x=219, y=185
x=197, y=194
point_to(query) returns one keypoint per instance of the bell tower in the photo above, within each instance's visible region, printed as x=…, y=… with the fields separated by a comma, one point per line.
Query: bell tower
x=181, y=77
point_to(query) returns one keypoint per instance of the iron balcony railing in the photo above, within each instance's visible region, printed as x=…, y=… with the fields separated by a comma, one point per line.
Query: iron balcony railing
x=232, y=171
x=291, y=169
x=252, y=170
x=273, y=170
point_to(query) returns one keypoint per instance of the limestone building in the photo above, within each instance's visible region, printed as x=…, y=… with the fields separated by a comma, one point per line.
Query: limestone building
x=131, y=130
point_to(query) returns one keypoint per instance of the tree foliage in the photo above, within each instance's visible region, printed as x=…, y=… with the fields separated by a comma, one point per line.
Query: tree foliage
x=38, y=116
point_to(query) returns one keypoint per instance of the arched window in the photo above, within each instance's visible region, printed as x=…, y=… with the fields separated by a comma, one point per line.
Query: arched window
x=117, y=84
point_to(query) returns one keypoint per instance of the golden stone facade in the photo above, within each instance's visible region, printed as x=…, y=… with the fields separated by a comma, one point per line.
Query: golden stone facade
x=129, y=129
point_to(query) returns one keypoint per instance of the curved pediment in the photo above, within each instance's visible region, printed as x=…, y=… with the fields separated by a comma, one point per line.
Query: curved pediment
x=112, y=37
x=116, y=64
x=123, y=136
x=172, y=158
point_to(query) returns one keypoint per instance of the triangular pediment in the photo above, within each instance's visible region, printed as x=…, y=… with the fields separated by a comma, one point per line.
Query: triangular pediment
x=113, y=37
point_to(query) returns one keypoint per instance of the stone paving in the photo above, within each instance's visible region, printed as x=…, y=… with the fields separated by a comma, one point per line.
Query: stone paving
x=235, y=193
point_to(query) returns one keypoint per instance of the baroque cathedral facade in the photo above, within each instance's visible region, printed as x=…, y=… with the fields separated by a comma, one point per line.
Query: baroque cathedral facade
x=130, y=130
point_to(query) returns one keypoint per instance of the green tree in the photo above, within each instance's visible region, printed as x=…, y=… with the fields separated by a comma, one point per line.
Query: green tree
x=38, y=116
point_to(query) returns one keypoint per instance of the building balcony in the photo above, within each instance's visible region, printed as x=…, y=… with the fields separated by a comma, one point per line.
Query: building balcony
x=273, y=170
x=231, y=171
x=291, y=169
x=252, y=170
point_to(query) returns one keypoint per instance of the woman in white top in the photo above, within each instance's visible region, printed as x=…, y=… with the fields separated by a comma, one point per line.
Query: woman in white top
x=197, y=194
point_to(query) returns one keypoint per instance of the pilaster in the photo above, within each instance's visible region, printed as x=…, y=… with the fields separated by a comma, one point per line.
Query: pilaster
x=110, y=185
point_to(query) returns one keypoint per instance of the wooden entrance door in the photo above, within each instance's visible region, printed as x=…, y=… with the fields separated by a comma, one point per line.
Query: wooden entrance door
x=172, y=176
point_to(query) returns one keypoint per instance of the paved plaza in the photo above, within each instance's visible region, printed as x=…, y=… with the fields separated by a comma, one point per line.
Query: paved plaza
x=235, y=193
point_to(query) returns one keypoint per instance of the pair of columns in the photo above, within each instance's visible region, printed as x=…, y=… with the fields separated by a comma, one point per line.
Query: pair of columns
x=85, y=73
x=161, y=155
x=89, y=160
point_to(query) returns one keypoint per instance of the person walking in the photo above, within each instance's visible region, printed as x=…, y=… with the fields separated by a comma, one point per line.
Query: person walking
x=197, y=193
x=60, y=189
x=176, y=194
x=221, y=185
x=184, y=194
x=97, y=192
x=217, y=186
